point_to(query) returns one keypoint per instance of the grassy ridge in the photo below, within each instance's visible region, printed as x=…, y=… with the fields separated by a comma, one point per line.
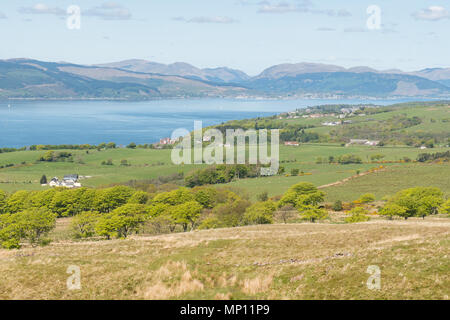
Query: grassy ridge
x=302, y=261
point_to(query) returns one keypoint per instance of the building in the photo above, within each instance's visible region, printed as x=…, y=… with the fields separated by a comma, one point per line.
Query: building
x=167, y=141
x=331, y=124
x=69, y=181
x=54, y=182
x=71, y=177
x=291, y=143
x=363, y=142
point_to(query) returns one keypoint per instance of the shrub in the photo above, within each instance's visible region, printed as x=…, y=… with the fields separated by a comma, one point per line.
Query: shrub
x=264, y=196
x=260, y=213
x=367, y=198
x=357, y=214
x=210, y=223
x=391, y=210
x=312, y=213
x=337, y=206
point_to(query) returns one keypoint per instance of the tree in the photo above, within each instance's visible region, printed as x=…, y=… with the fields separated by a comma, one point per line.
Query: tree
x=2, y=201
x=42, y=199
x=260, y=213
x=357, y=214
x=392, y=209
x=36, y=223
x=83, y=224
x=286, y=212
x=65, y=203
x=10, y=233
x=43, y=179
x=419, y=201
x=231, y=213
x=131, y=146
x=311, y=199
x=312, y=213
x=445, y=208
x=48, y=156
x=109, y=199
x=17, y=201
x=206, y=196
x=186, y=214
x=174, y=197
x=295, y=172
x=301, y=194
x=139, y=197
x=30, y=225
x=111, y=145
x=123, y=221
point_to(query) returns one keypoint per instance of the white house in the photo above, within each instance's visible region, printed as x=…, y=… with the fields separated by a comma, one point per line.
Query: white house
x=69, y=181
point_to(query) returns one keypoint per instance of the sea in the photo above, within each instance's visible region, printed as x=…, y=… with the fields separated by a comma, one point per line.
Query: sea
x=25, y=123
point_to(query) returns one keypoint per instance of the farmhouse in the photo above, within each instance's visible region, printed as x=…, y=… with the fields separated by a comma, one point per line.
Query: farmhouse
x=69, y=181
x=292, y=143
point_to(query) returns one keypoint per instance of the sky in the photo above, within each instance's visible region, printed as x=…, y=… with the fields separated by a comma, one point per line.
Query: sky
x=242, y=34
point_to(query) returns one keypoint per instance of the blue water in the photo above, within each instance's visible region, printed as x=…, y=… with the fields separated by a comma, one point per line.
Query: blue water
x=28, y=123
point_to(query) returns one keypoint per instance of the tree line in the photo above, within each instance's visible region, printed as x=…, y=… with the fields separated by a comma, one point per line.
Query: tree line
x=120, y=211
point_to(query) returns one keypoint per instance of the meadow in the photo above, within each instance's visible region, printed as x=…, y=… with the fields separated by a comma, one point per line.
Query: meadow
x=293, y=261
x=150, y=164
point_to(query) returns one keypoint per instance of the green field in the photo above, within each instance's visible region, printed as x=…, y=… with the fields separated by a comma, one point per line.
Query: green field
x=150, y=164
x=391, y=180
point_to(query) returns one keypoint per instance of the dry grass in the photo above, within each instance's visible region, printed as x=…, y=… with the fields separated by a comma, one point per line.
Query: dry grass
x=294, y=261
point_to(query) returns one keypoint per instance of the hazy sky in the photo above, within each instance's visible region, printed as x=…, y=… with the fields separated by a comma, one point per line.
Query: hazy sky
x=244, y=34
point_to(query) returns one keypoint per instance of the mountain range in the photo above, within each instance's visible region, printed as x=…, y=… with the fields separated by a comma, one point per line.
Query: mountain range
x=142, y=80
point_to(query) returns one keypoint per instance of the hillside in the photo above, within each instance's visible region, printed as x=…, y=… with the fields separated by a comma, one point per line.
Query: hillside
x=298, y=261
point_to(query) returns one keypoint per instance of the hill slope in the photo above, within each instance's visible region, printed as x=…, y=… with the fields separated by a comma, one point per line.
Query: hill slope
x=303, y=261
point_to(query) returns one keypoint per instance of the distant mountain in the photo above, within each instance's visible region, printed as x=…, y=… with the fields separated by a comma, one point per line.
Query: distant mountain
x=436, y=74
x=292, y=70
x=219, y=75
x=366, y=84
x=141, y=80
x=26, y=78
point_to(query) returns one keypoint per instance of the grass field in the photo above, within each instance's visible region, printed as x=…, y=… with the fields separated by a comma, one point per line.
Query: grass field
x=302, y=261
x=392, y=179
x=149, y=164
